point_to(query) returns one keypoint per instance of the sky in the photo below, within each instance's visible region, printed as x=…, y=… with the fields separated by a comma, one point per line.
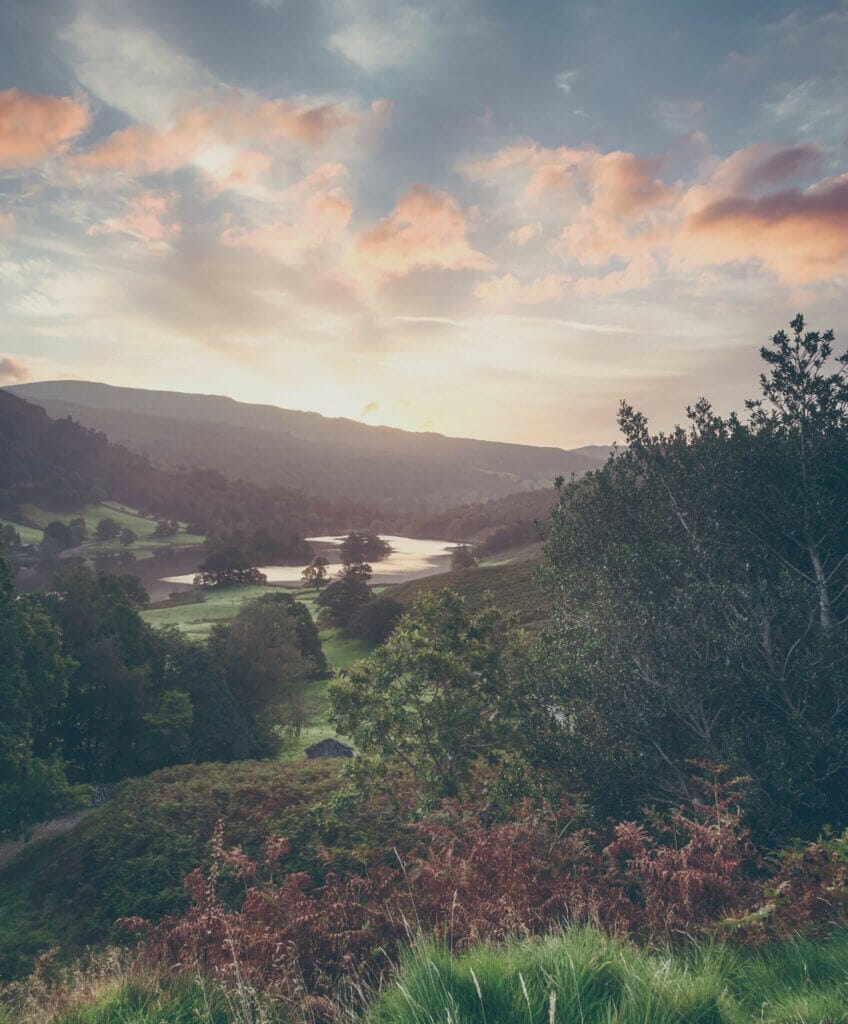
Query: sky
x=480, y=217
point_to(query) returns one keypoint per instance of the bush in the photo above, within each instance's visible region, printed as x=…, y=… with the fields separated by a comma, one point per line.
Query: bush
x=375, y=622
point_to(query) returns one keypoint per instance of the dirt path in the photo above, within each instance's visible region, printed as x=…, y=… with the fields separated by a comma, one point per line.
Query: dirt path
x=46, y=830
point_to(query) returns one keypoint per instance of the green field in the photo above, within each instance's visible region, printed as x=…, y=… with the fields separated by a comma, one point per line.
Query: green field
x=28, y=534
x=197, y=620
x=143, y=526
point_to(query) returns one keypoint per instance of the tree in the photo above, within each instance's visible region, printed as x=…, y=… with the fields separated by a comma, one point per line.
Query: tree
x=700, y=585
x=60, y=533
x=364, y=546
x=375, y=621
x=127, y=537
x=166, y=528
x=9, y=536
x=435, y=697
x=262, y=651
x=315, y=574
x=341, y=601
x=463, y=557
x=227, y=567
x=108, y=529
x=33, y=683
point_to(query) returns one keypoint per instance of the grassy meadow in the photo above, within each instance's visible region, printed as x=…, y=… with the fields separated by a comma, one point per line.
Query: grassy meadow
x=36, y=518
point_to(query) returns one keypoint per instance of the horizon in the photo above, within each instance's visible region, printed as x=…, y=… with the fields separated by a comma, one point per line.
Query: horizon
x=422, y=215
x=271, y=405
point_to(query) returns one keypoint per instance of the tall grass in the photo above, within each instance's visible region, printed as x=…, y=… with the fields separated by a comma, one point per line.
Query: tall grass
x=581, y=977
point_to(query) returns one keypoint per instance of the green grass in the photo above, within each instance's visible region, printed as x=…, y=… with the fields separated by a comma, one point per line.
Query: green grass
x=129, y=518
x=197, y=620
x=147, y=999
x=28, y=534
x=583, y=977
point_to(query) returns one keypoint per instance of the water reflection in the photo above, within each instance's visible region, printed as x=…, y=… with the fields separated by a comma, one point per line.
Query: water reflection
x=410, y=559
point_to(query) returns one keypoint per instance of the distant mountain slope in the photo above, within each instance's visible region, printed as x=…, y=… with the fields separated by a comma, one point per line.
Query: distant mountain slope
x=393, y=469
x=62, y=466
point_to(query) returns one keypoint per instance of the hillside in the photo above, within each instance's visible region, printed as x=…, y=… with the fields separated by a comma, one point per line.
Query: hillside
x=388, y=468
x=512, y=583
x=59, y=466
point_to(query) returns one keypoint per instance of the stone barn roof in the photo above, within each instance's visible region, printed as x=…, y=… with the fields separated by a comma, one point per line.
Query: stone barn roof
x=329, y=748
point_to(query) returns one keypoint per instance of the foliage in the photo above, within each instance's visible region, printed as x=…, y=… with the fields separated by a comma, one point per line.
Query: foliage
x=269, y=651
x=9, y=536
x=315, y=574
x=33, y=685
x=435, y=696
x=131, y=855
x=227, y=566
x=364, y=546
x=464, y=879
x=108, y=529
x=701, y=589
x=344, y=598
x=375, y=621
x=463, y=557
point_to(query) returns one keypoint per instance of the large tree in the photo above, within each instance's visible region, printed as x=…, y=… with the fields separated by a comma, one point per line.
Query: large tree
x=701, y=589
x=435, y=697
x=269, y=652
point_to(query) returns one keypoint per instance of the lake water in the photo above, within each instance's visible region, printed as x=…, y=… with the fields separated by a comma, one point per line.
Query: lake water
x=410, y=560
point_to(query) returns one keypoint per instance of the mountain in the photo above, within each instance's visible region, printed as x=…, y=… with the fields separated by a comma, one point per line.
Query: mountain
x=61, y=466
x=394, y=470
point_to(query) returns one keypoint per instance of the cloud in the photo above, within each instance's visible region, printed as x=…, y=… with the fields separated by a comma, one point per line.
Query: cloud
x=565, y=81
x=236, y=120
x=526, y=233
x=33, y=128
x=12, y=370
x=382, y=35
x=800, y=236
x=426, y=230
x=323, y=220
x=146, y=218
x=508, y=290
x=765, y=164
x=370, y=408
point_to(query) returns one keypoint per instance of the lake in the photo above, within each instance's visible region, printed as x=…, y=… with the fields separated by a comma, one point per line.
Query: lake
x=410, y=559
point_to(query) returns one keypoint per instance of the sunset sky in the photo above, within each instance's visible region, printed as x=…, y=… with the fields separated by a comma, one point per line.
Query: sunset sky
x=486, y=218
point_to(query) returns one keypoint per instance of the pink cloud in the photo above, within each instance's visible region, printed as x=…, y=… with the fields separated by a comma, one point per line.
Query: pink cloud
x=765, y=164
x=426, y=230
x=33, y=128
x=800, y=236
x=238, y=120
x=322, y=221
x=508, y=290
x=146, y=218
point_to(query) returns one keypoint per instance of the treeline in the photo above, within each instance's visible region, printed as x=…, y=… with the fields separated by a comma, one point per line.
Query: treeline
x=91, y=694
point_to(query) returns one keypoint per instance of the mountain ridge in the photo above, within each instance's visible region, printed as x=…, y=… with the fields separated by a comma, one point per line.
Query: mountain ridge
x=265, y=444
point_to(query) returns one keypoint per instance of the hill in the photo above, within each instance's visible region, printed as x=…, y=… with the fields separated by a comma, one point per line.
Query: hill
x=268, y=446
x=512, y=583
x=61, y=467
